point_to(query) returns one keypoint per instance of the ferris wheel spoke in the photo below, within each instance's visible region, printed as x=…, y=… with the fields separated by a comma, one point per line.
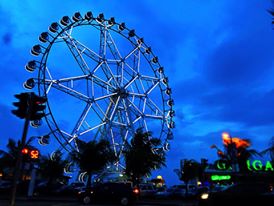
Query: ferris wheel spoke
x=81, y=48
x=154, y=116
x=133, y=94
x=124, y=140
x=145, y=124
x=130, y=82
x=112, y=75
x=138, y=111
x=112, y=46
x=55, y=84
x=154, y=107
x=101, y=82
x=74, y=78
x=128, y=115
x=81, y=120
x=105, y=96
x=103, y=117
x=77, y=53
x=113, y=142
x=150, y=89
x=103, y=41
x=132, y=52
x=91, y=129
x=131, y=69
x=142, y=86
x=114, y=109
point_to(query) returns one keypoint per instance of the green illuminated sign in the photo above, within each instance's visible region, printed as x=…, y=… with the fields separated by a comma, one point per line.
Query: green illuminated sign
x=220, y=177
x=257, y=165
x=223, y=165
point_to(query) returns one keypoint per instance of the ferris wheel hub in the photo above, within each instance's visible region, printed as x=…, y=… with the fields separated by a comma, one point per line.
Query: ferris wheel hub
x=122, y=92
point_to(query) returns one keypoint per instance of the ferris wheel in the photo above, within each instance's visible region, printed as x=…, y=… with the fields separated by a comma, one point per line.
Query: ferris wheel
x=101, y=81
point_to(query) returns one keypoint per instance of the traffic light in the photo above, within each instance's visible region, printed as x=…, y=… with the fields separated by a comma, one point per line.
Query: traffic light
x=30, y=106
x=25, y=151
x=30, y=154
x=22, y=105
x=37, y=107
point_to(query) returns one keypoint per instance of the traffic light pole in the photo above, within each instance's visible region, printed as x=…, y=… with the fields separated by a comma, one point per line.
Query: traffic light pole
x=18, y=165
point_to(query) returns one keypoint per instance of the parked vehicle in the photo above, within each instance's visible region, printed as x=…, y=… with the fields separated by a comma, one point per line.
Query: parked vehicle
x=147, y=190
x=77, y=185
x=182, y=191
x=240, y=194
x=113, y=192
x=163, y=193
x=5, y=186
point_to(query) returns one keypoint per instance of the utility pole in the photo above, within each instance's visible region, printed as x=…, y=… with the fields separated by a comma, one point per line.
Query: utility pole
x=30, y=107
x=22, y=112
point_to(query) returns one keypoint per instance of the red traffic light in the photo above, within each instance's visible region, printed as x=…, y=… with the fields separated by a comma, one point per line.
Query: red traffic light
x=25, y=151
x=37, y=107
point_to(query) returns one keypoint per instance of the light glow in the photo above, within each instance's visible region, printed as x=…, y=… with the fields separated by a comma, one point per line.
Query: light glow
x=204, y=196
x=220, y=177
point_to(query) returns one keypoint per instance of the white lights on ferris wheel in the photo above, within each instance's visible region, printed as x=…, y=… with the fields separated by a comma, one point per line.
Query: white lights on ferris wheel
x=113, y=75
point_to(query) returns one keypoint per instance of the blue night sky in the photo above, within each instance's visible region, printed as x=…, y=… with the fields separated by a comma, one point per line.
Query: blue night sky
x=218, y=56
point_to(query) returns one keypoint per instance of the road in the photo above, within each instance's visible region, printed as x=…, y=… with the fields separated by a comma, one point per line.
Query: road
x=75, y=203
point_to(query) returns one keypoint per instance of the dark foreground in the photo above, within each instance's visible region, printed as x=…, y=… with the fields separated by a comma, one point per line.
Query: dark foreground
x=56, y=201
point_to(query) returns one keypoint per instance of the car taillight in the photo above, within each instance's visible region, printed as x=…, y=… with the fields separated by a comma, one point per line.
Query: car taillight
x=136, y=191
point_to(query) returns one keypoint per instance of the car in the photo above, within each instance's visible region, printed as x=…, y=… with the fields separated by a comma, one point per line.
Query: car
x=183, y=190
x=5, y=187
x=114, y=192
x=163, y=193
x=245, y=193
x=147, y=190
x=77, y=185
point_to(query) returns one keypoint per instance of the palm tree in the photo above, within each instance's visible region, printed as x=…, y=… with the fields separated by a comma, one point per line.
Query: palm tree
x=142, y=155
x=52, y=168
x=190, y=170
x=236, y=150
x=93, y=157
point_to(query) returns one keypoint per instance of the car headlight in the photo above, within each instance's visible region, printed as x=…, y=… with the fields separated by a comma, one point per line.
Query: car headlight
x=204, y=196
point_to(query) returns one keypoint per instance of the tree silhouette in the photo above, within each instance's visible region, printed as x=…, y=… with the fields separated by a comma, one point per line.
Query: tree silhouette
x=142, y=155
x=93, y=157
x=8, y=158
x=52, y=167
x=191, y=169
